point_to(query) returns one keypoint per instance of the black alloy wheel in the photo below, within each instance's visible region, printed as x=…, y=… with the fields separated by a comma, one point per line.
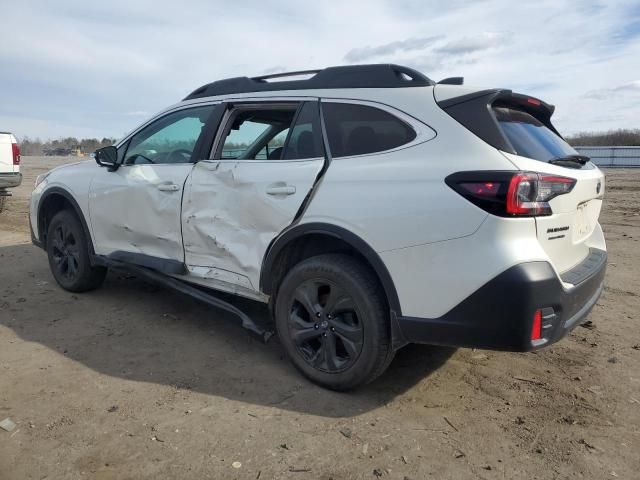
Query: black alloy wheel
x=69, y=254
x=325, y=325
x=333, y=321
x=65, y=252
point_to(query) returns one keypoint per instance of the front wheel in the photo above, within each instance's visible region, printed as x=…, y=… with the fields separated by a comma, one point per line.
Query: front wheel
x=68, y=252
x=332, y=320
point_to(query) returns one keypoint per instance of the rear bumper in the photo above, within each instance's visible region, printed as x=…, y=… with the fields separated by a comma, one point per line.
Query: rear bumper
x=10, y=180
x=500, y=314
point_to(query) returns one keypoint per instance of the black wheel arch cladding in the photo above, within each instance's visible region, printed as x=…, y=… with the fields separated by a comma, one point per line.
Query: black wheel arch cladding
x=349, y=238
x=47, y=196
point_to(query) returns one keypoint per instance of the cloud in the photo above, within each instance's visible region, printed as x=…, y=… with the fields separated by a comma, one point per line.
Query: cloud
x=631, y=88
x=272, y=70
x=366, y=53
x=478, y=43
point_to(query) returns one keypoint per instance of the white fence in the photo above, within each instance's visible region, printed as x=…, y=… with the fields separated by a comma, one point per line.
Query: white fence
x=612, y=156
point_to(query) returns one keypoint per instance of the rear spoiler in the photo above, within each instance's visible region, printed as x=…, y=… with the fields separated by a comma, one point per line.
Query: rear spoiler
x=474, y=111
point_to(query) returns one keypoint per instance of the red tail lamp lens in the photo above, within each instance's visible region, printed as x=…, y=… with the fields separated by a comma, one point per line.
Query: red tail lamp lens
x=16, y=153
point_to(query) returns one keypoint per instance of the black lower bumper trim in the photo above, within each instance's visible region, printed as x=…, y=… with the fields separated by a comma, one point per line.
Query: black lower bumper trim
x=500, y=314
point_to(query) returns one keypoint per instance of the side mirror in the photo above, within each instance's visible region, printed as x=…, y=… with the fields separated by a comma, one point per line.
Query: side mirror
x=107, y=157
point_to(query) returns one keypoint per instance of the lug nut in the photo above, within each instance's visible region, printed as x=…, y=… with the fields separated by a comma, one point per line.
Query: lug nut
x=324, y=334
x=318, y=314
x=333, y=329
x=315, y=325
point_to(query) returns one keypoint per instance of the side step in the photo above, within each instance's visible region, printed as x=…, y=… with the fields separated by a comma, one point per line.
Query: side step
x=190, y=290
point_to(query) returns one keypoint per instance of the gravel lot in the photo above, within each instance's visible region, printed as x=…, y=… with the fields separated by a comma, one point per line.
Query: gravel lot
x=133, y=381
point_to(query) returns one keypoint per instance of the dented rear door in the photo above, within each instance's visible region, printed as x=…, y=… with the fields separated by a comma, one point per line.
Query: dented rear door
x=234, y=207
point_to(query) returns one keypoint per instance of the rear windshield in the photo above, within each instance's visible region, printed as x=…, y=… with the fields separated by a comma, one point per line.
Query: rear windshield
x=529, y=137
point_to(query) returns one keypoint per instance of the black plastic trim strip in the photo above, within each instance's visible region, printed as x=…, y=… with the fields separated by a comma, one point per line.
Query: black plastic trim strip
x=586, y=268
x=204, y=144
x=69, y=197
x=164, y=265
x=319, y=136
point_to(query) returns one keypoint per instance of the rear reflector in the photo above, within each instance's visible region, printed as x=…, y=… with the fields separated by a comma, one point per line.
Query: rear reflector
x=487, y=189
x=510, y=194
x=536, y=327
x=16, y=153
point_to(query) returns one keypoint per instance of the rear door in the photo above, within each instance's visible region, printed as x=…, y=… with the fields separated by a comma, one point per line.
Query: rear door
x=572, y=229
x=266, y=159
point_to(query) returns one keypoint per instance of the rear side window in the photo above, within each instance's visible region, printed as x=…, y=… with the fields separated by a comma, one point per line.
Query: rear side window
x=360, y=129
x=530, y=137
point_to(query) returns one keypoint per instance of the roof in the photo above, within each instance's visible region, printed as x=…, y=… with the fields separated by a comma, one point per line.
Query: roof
x=382, y=75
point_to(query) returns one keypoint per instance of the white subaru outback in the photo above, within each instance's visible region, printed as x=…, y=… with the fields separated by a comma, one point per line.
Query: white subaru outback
x=369, y=206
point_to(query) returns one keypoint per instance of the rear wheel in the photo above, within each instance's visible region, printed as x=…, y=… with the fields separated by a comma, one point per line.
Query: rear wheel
x=68, y=252
x=332, y=320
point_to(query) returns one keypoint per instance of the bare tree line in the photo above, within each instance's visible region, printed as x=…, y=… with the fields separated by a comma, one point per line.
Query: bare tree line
x=63, y=146
x=612, y=138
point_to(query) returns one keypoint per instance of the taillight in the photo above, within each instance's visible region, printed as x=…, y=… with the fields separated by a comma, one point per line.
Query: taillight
x=16, y=153
x=510, y=194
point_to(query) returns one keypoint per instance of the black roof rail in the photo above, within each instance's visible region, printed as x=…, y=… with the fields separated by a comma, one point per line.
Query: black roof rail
x=382, y=75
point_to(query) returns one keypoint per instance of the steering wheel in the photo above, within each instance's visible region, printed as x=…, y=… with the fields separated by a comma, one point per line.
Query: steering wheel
x=184, y=155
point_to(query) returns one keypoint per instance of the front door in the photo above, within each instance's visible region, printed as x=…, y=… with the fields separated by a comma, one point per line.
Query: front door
x=266, y=161
x=135, y=210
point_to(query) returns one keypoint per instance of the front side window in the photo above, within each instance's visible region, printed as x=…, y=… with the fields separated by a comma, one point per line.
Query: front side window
x=171, y=139
x=359, y=129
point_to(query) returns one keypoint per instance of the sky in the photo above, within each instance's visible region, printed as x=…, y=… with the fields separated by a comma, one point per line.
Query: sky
x=95, y=69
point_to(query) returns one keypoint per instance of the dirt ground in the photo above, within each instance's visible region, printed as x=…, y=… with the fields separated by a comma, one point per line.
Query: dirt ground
x=133, y=381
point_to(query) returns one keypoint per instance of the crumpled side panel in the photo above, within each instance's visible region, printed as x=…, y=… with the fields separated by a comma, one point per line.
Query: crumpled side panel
x=129, y=212
x=229, y=219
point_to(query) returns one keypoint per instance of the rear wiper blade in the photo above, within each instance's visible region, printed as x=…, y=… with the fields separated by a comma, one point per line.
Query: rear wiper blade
x=575, y=158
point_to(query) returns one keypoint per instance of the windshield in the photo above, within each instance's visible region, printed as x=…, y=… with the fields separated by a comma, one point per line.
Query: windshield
x=529, y=137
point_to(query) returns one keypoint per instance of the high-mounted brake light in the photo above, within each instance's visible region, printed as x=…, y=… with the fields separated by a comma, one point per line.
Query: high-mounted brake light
x=16, y=153
x=511, y=194
x=534, y=101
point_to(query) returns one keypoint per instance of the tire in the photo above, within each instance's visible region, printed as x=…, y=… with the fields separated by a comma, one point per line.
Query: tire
x=68, y=252
x=332, y=321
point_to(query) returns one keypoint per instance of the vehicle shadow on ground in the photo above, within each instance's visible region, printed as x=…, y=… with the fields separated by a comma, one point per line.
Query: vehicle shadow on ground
x=137, y=331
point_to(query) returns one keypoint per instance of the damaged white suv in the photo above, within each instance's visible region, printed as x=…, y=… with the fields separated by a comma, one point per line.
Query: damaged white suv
x=368, y=205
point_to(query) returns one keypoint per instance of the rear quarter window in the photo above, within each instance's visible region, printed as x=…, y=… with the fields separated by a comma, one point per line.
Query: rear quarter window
x=360, y=129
